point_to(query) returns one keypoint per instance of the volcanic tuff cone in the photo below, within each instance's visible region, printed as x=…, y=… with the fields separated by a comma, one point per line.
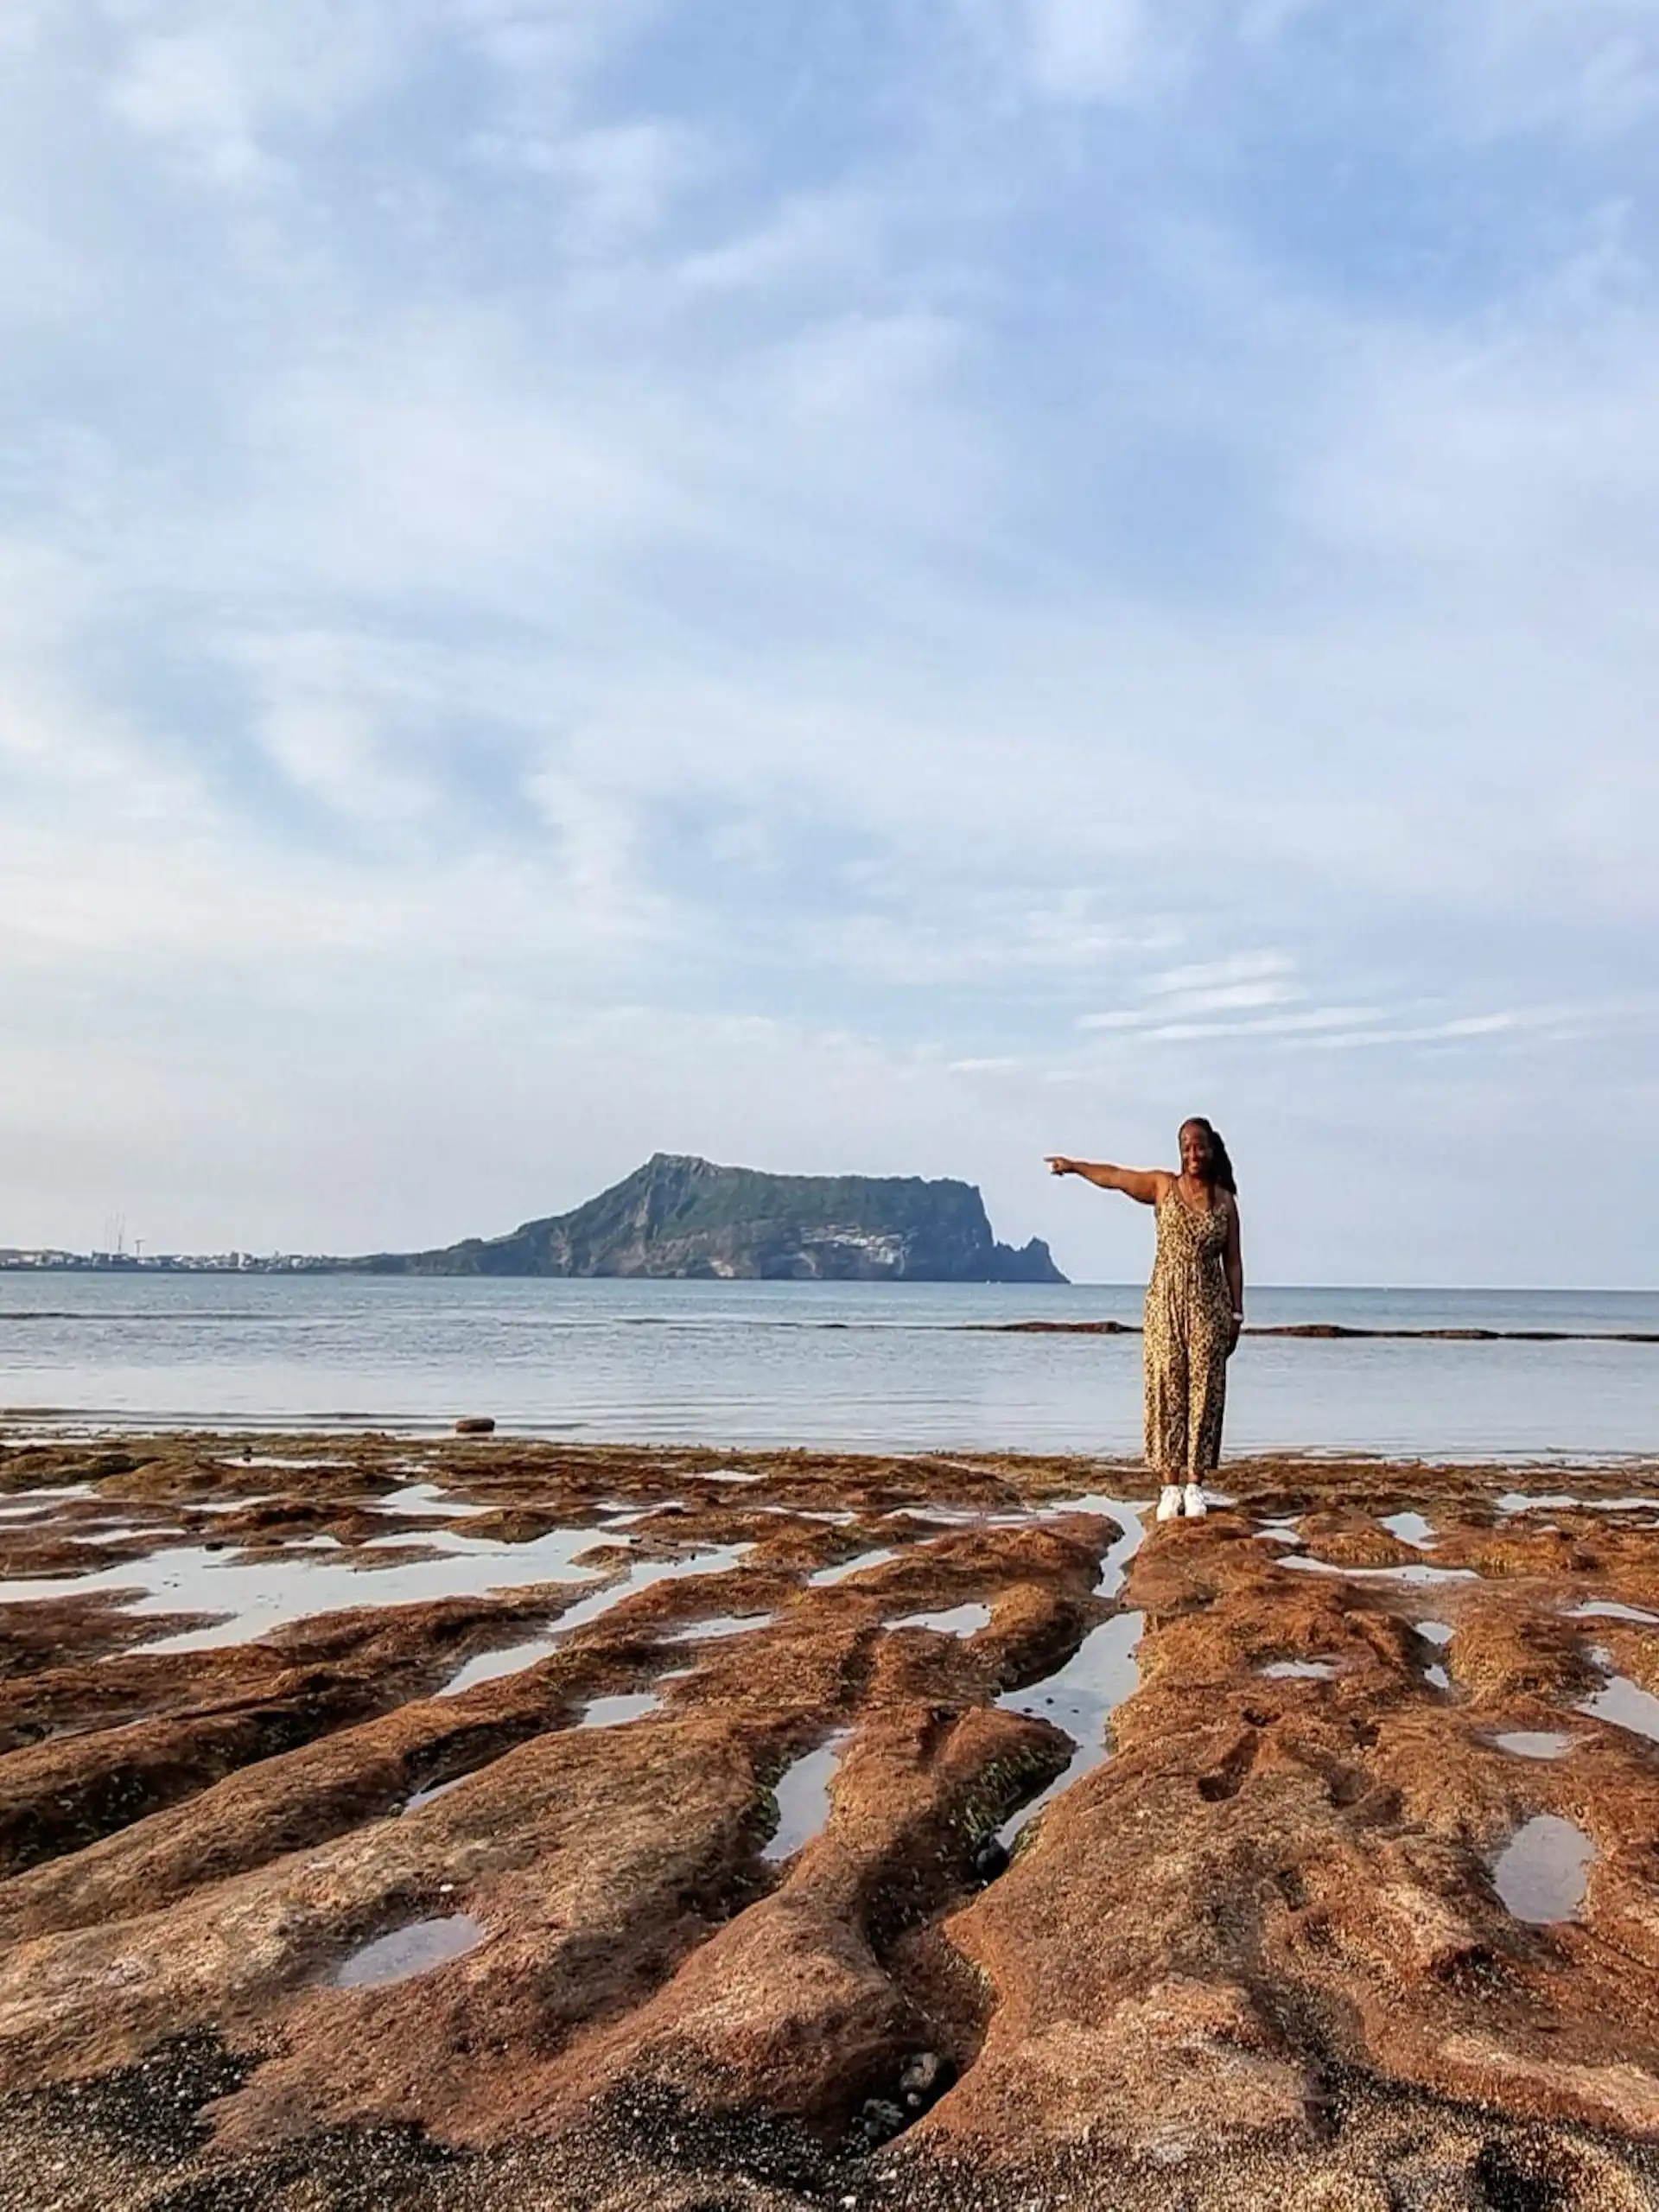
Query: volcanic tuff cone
x=678, y=1216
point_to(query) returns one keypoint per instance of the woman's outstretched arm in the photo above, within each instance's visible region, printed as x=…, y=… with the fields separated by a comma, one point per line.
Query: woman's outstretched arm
x=1233, y=1260
x=1146, y=1183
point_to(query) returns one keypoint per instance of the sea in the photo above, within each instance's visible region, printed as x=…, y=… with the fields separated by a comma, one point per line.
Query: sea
x=855, y=1366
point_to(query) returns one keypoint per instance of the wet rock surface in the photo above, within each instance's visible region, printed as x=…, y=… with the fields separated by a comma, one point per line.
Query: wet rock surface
x=699, y=1901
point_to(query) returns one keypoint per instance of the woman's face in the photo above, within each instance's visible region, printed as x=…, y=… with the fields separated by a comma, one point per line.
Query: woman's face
x=1195, y=1152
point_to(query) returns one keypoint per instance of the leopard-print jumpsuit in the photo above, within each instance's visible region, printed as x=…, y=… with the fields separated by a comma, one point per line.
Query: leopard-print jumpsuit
x=1189, y=1335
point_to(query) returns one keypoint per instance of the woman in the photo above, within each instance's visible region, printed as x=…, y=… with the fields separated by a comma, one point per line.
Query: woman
x=1195, y=1305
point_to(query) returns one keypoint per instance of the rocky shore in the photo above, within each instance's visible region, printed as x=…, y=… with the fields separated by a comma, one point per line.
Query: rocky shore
x=477, y=1823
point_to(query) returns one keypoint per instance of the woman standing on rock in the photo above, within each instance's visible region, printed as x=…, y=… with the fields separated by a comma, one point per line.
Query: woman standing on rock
x=1195, y=1305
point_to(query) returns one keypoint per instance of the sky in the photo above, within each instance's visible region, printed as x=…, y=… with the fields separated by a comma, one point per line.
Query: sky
x=887, y=587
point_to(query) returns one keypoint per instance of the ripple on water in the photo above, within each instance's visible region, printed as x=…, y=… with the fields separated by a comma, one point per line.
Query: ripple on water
x=1542, y=1873
x=408, y=1951
x=803, y=1795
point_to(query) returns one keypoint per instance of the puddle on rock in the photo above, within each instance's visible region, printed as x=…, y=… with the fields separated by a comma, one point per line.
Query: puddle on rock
x=827, y=1576
x=1309, y=1670
x=1535, y=1743
x=1123, y=1546
x=35, y=1504
x=1434, y=1631
x=489, y=1665
x=425, y=1498
x=720, y=1624
x=275, y=1460
x=1543, y=1871
x=408, y=1951
x=614, y=1712
x=1410, y=1528
x=1608, y=1609
x=438, y=1790
x=1437, y=1678
x=1627, y=1706
x=803, y=1795
x=1417, y=1576
x=251, y=1597
x=1080, y=1697
x=957, y=1620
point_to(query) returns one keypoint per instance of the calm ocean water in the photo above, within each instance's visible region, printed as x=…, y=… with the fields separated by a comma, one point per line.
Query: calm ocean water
x=905, y=1367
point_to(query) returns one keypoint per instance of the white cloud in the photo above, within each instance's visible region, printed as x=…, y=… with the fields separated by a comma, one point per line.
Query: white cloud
x=1589, y=66
x=806, y=646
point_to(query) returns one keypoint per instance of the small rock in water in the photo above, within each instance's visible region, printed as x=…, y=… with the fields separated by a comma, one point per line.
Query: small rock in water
x=476, y=1425
x=990, y=1858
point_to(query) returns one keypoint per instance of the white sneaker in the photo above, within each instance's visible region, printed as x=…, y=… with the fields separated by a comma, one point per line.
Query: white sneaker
x=1169, y=1504
x=1196, y=1507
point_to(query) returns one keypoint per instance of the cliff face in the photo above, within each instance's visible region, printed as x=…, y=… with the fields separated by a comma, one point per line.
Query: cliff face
x=686, y=1217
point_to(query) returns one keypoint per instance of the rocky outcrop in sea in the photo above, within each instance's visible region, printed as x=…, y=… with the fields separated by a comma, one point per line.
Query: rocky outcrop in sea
x=681, y=1217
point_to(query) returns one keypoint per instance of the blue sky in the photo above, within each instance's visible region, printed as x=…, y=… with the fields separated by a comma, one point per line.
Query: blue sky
x=885, y=587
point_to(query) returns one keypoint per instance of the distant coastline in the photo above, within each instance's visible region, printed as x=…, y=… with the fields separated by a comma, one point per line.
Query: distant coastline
x=682, y=1218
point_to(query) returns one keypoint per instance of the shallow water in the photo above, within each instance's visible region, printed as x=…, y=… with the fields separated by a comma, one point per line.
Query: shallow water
x=1535, y=1743
x=1080, y=1697
x=826, y=1578
x=877, y=1366
x=803, y=1795
x=1309, y=1670
x=1627, y=1706
x=1608, y=1609
x=429, y=1796
x=490, y=1665
x=955, y=1620
x=255, y=1596
x=1434, y=1631
x=1417, y=1576
x=719, y=1624
x=408, y=1951
x=1543, y=1873
x=617, y=1712
x=1410, y=1528
x=1437, y=1678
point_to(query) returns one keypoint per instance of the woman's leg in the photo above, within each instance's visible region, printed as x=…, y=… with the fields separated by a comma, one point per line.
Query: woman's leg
x=1206, y=1400
x=1166, y=1394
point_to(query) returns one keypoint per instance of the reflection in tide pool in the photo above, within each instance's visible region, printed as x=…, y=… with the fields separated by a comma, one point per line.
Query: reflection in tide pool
x=1081, y=1697
x=803, y=1795
x=1542, y=1874
x=407, y=1951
